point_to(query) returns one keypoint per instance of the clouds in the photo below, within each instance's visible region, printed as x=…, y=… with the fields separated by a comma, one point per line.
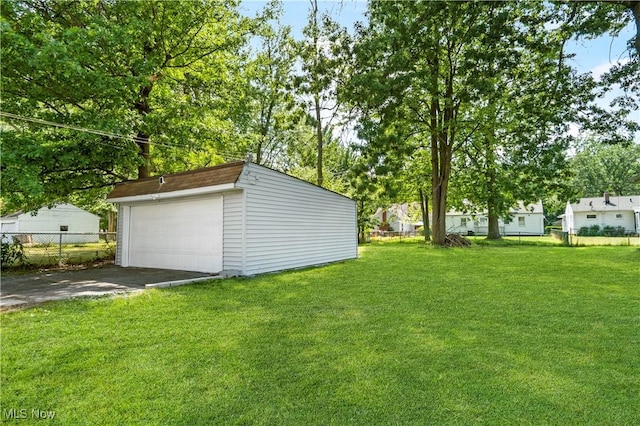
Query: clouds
x=601, y=69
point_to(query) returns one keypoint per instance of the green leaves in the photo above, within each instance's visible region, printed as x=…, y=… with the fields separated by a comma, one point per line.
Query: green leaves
x=598, y=167
x=163, y=71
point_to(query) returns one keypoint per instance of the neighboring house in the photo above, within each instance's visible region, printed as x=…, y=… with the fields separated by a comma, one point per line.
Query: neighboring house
x=47, y=223
x=396, y=218
x=615, y=211
x=236, y=219
x=524, y=220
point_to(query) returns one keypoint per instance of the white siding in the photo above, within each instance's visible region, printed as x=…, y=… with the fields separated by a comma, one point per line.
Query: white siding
x=533, y=224
x=291, y=223
x=50, y=220
x=233, y=232
x=183, y=234
x=602, y=219
x=8, y=226
x=119, y=233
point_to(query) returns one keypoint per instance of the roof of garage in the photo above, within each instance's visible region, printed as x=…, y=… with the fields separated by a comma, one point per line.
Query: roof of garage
x=210, y=176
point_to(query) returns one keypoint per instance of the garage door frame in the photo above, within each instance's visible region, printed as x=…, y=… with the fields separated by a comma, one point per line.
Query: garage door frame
x=128, y=233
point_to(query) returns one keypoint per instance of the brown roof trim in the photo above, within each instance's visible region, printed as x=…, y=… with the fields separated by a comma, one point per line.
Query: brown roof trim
x=210, y=176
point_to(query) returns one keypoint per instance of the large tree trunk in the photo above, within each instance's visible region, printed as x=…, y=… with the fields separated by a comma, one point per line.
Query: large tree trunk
x=143, y=108
x=424, y=209
x=493, y=231
x=144, y=169
x=439, y=202
x=362, y=238
x=111, y=221
x=442, y=138
x=635, y=9
x=440, y=182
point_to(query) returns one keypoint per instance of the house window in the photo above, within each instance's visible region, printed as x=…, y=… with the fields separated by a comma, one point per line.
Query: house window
x=619, y=216
x=64, y=228
x=463, y=221
x=521, y=220
x=483, y=220
x=591, y=216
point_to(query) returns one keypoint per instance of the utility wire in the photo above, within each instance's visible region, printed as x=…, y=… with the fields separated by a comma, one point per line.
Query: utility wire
x=85, y=130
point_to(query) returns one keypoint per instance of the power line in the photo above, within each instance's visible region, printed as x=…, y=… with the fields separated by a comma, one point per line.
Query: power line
x=85, y=130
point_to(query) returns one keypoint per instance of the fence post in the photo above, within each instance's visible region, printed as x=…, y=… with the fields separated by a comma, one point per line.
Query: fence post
x=60, y=250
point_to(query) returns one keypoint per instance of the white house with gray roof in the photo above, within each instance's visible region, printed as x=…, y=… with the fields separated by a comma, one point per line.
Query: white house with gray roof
x=522, y=220
x=618, y=211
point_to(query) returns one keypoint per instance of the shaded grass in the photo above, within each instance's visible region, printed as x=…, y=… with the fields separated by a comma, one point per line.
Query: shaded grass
x=41, y=256
x=406, y=334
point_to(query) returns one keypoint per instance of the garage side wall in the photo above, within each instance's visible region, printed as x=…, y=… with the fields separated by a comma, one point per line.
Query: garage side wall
x=232, y=232
x=119, y=231
x=291, y=223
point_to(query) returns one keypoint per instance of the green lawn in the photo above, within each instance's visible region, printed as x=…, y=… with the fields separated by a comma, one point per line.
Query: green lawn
x=406, y=334
x=47, y=255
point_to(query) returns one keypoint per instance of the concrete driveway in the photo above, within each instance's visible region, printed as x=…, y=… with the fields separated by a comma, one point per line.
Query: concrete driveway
x=40, y=287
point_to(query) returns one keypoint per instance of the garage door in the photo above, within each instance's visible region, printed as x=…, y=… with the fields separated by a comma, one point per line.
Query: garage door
x=179, y=234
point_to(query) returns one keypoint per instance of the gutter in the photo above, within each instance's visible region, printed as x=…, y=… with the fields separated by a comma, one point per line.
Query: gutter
x=174, y=194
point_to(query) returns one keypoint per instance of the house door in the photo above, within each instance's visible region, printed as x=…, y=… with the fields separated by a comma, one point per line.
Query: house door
x=182, y=234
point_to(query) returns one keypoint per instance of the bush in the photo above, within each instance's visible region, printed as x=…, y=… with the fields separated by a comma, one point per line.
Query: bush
x=583, y=232
x=614, y=231
x=606, y=231
x=549, y=228
x=12, y=252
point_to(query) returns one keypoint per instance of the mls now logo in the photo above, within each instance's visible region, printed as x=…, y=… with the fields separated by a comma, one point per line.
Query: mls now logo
x=22, y=413
x=14, y=413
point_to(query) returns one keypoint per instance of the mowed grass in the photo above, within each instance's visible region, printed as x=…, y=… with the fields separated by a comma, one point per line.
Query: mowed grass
x=406, y=334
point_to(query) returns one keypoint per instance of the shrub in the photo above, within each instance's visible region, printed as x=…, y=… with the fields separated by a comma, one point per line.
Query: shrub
x=12, y=252
x=548, y=229
x=583, y=232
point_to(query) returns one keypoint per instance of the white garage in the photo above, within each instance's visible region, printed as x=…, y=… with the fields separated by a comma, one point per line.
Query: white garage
x=237, y=219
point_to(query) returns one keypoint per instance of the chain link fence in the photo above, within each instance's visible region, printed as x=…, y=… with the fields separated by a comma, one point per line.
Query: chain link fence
x=46, y=249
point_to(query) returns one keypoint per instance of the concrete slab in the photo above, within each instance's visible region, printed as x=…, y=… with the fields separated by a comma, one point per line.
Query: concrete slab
x=40, y=287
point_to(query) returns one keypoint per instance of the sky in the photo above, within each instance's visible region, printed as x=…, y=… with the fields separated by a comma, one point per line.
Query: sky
x=595, y=56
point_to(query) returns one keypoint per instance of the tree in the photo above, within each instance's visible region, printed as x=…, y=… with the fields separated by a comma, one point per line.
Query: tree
x=427, y=65
x=272, y=119
x=598, y=168
x=152, y=78
x=517, y=152
x=321, y=67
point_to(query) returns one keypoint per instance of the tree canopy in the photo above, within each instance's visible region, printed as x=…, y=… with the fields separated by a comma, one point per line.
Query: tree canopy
x=154, y=77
